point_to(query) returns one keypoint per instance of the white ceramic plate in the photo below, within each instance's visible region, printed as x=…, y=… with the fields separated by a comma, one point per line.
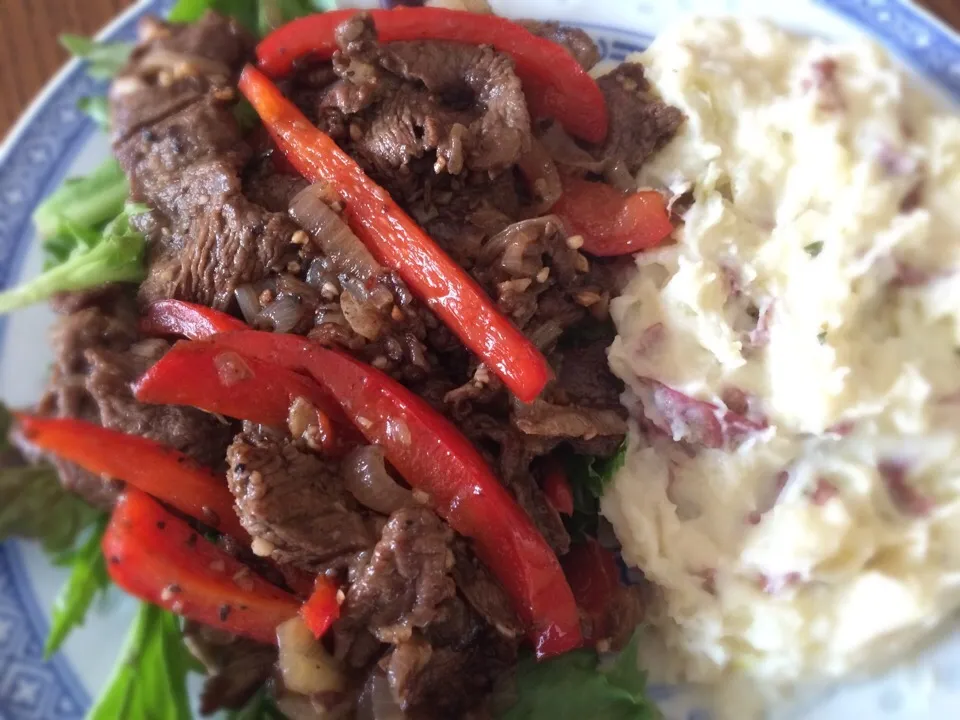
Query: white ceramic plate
x=54, y=140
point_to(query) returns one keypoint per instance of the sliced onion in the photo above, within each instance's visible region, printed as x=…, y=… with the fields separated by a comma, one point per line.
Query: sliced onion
x=345, y=253
x=511, y=243
x=292, y=286
x=546, y=334
x=376, y=701
x=306, y=667
x=617, y=174
x=542, y=176
x=366, y=478
x=378, y=296
x=158, y=58
x=330, y=315
x=362, y=317
x=282, y=314
x=249, y=301
x=565, y=151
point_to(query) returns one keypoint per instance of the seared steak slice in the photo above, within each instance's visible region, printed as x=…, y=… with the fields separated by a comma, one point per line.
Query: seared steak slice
x=236, y=667
x=640, y=122
x=293, y=503
x=483, y=592
x=407, y=577
x=457, y=106
x=109, y=379
x=177, y=139
x=97, y=358
x=574, y=40
x=447, y=681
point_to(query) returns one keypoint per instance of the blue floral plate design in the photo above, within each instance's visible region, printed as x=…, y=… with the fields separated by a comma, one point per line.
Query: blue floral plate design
x=54, y=140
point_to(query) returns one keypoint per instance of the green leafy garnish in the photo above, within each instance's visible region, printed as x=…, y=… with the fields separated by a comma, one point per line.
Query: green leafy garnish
x=260, y=707
x=579, y=685
x=87, y=202
x=814, y=248
x=104, y=59
x=91, y=259
x=33, y=504
x=589, y=477
x=88, y=580
x=150, y=680
x=258, y=16
x=97, y=108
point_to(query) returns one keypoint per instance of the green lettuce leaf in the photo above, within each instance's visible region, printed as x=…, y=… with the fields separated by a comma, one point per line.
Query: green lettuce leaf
x=104, y=59
x=150, y=679
x=86, y=202
x=260, y=707
x=589, y=477
x=88, y=580
x=258, y=16
x=91, y=259
x=579, y=685
x=33, y=504
x=98, y=109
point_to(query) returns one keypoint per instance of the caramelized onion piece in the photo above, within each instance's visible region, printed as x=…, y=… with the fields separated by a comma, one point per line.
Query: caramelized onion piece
x=542, y=176
x=565, y=151
x=366, y=478
x=306, y=668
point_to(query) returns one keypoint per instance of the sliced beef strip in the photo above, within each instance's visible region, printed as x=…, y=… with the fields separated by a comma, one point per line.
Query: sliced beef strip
x=449, y=681
x=236, y=667
x=456, y=106
x=511, y=453
x=179, y=143
x=483, y=593
x=270, y=189
x=173, y=66
x=406, y=579
x=479, y=78
x=640, y=122
x=584, y=376
x=97, y=357
x=573, y=40
x=109, y=379
x=293, y=503
x=546, y=419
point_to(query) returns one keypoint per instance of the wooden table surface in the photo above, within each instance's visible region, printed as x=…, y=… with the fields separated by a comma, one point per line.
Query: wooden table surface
x=30, y=54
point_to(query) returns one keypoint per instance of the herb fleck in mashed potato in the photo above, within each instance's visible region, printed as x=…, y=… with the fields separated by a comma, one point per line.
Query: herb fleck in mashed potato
x=792, y=482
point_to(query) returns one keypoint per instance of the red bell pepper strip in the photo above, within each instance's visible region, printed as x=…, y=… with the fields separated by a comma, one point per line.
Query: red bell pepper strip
x=176, y=317
x=553, y=81
x=613, y=222
x=159, y=558
x=557, y=488
x=401, y=244
x=157, y=469
x=322, y=608
x=221, y=381
x=433, y=456
x=595, y=579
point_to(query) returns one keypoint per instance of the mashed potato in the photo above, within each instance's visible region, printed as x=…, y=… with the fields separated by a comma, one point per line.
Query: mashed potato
x=792, y=482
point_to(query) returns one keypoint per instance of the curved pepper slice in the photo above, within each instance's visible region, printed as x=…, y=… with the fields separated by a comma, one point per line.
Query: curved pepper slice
x=400, y=244
x=556, y=487
x=613, y=222
x=322, y=608
x=161, y=471
x=433, y=456
x=553, y=81
x=159, y=558
x=595, y=580
x=176, y=317
x=221, y=381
